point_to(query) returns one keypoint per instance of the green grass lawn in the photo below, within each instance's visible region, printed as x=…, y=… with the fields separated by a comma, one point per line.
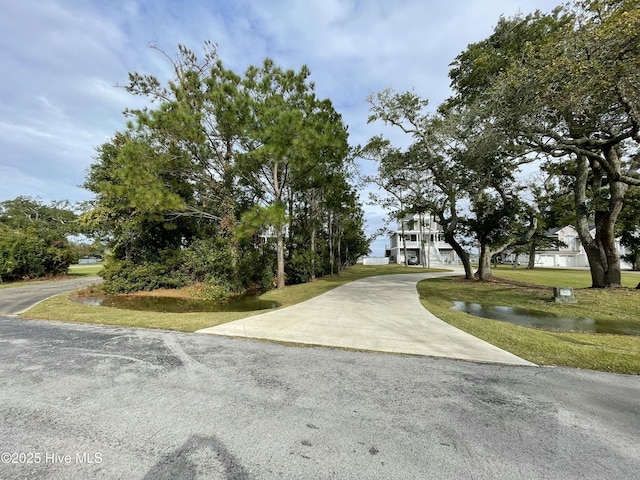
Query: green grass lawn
x=554, y=277
x=531, y=289
x=64, y=308
x=85, y=270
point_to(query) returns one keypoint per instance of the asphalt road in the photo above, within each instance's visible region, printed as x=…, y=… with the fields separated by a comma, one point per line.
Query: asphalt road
x=16, y=300
x=90, y=402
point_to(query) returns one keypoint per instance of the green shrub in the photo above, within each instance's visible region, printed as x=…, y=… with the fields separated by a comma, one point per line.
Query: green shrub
x=302, y=266
x=29, y=253
x=214, y=291
x=257, y=268
x=210, y=260
x=121, y=276
x=206, y=261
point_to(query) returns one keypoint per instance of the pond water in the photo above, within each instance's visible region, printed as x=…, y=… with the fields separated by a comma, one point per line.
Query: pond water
x=245, y=303
x=547, y=321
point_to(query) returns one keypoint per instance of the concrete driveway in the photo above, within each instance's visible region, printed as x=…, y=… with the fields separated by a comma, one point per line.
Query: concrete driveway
x=15, y=300
x=381, y=313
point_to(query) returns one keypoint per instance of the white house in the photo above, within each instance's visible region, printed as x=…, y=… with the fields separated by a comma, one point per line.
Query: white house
x=571, y=255
x=423, y=240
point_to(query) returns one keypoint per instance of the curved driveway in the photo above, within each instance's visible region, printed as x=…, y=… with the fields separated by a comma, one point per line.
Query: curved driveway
x=381, y=313
x=15, y=300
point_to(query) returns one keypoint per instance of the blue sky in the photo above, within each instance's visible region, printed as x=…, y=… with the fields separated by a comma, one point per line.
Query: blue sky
x=62, y=59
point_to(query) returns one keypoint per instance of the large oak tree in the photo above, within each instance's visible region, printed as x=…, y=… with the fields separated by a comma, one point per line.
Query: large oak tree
x=564, y=85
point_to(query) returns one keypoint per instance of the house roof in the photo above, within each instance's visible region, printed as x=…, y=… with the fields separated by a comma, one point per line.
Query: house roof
x=552, y=232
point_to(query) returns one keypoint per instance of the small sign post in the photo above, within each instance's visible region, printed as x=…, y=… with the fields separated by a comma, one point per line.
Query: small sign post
x=564, y=295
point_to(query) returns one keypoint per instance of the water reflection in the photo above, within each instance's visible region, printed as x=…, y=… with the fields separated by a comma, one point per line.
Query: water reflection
x=547, y=321
x=246, y=303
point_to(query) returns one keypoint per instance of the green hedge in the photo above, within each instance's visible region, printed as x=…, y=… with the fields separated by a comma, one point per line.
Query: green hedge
x=27, y=254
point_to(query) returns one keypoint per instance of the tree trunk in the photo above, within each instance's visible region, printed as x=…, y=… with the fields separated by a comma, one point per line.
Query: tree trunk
x=313, y=233
x=313, y=251
x=449, y=227
x=486, y=252
x=278, y=228
x=532, y=256
x=604, y=261
x=331, y=258
x=606, y=233
x=461, y=252
x=597, y=259
x=339, y=240
x=280, y=256
x=484, y=267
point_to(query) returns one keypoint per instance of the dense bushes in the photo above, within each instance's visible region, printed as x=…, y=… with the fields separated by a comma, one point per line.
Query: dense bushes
x=210, y=262
x=125, y=277
x=303, y=266
x=33, y=238
x=27, y=253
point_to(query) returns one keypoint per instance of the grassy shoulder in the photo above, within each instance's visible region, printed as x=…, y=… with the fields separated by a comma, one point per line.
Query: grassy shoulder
x=531, y=289
x=63, y=308
x=21, y=283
